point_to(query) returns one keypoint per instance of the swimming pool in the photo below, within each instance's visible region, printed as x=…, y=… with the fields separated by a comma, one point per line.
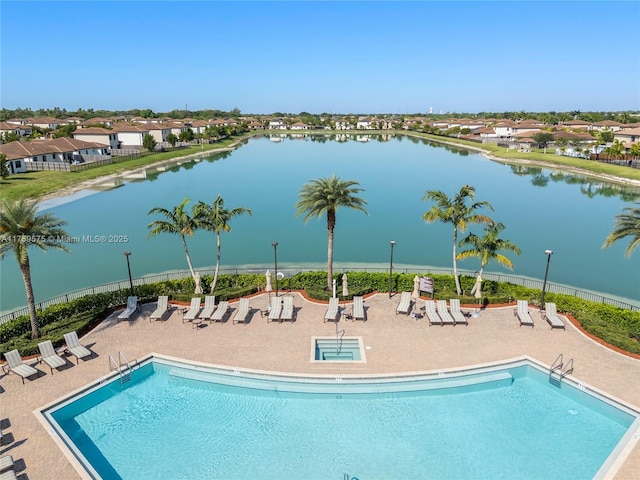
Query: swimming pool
x=178, y=420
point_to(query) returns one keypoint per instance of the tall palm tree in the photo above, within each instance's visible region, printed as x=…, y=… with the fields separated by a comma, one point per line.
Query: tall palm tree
x=325, y=195
x=179, y=222
x=487, y=248
x=457, y=212
x=215, y=218
x=626, y=225
x=20, y=228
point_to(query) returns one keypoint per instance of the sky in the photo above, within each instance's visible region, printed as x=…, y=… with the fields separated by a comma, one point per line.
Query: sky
x=337, y=57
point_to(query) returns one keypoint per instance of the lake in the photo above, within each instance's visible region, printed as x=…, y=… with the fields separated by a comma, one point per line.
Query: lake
x=541, y=209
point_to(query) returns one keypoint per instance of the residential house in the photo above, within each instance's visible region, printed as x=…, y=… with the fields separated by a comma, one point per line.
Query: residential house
x=58, y=150
x=577, y=125
x=98, y=135
x=364, y=124
x=19, y=129
x=628, y=137
x=47, y=122
x=607, y=125
x=299, y=126
x=130, y=136
x=277, y=124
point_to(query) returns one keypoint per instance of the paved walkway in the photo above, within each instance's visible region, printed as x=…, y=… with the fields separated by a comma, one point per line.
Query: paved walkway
x=397, y=343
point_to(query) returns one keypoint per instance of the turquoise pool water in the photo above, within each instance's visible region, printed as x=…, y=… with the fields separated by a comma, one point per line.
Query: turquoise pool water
x=179, y=423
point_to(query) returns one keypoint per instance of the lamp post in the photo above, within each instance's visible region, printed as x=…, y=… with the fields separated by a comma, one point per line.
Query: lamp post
x=546, y=272
x=126, y=254
x=392, y=243
x=275, y=261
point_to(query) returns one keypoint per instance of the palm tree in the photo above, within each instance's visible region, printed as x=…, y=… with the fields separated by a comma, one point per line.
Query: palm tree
x=325, y=195
x=626, y=225
x=178, y=221
x=486, y=248
x=457, y=212
x=20, y=228
x=215, y=218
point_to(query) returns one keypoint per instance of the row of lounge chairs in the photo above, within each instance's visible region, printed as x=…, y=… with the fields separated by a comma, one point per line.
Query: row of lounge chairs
x=438, y=313
x=48, y=355
x=334, y=313
x=550, y=314
x=210, y=312
x=281, y=309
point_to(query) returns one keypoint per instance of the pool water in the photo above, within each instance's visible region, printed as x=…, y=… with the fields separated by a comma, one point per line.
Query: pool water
x=338, y=349
x=173, y=422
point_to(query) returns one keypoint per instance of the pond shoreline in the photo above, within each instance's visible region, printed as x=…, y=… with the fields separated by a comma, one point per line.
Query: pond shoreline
x=88, y=184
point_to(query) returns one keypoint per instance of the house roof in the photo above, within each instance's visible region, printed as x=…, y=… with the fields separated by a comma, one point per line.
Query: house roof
x=20, y=149
x=93, y=131
x=125, y=127
x=630, y=132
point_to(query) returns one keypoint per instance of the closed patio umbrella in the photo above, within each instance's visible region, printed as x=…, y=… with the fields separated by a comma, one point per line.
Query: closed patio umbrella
x=345, y=286
x=416, y=287
x=198, y=286
x=478, y=294
x=268, y=288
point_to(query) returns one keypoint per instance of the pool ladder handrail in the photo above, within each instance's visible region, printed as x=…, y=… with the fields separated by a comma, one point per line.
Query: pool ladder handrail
x=558, y=366
x=125, y=374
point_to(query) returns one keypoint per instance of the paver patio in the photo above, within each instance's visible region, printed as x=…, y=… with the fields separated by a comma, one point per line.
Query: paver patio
x=396, y=343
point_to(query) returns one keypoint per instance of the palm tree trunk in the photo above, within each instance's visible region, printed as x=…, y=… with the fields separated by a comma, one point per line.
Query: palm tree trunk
x=331, y=222
x=31, y=304
x=186, y=251
x=473, y=290
x=455, y=264
x=215, y=274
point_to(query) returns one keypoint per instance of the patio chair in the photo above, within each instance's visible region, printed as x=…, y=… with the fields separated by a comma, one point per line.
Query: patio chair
x=288, y=310
x=430, y=312
x=161, y=309
x=17, y=366
x=74, y=347
x=551, y=315
x=193, y=311
x=49, y=356
x=333, y=312
x=218, y=315
x=456, y=313
x=276, y=309
x=405, y=303
x=209, y=307
x=444, y=314
x=243, y=313
x=357, y=312
x=132, y=306
x=522, y=312
x=6, y=463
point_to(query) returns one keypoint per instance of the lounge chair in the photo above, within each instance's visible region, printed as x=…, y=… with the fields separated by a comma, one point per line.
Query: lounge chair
x=8, y=475
x=551, y=315
x=444, y=314
x=276, y=309
x=17, y=366
x=161, y=309
x=405, y=303
x=333, y=312
x=456, y=313
x=193, y=311
x=522, y=312
x=288, y=311
x=209, y=307
x=357, y=312
x=6, y=463
x=242, y=315
x=430, y=312
x=218, y=315
x=132, y=306
x=74, y=347
x=49, y=356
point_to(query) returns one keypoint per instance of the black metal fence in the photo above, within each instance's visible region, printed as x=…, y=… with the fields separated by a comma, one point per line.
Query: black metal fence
x=290, y=271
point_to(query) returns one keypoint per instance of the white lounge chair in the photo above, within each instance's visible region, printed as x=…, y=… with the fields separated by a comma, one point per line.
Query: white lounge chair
x=8, y=475
x=333, y=312
x=49, y=356
x=522, y=312
x=132, y=306
x=218, y=315
x=405, y=303
x=161, y=308
x=357, y=312
x=288, y=310
x=74, y=347
x=242, y=315
x=6, y=463
x=209, y=307
x=551, y=315
x=456, y=313
x=17, y=366
x=444, y=314
x=430, y=312
x=276, y=309
x=193, y=311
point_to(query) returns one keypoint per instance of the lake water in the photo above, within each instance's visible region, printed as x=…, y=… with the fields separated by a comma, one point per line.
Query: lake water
x=541, y=209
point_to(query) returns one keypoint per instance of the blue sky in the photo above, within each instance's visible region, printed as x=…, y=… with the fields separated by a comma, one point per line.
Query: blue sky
x=337, y=57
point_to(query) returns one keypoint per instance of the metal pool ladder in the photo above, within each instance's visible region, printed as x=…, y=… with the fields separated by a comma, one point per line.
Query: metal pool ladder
x=559, y=370
x=125, y=373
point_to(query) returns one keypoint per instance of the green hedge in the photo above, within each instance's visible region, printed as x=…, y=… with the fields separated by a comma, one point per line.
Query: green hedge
x=614, y=325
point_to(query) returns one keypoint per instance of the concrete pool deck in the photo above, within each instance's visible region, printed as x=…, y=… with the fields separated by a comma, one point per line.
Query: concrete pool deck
x=395, y=343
